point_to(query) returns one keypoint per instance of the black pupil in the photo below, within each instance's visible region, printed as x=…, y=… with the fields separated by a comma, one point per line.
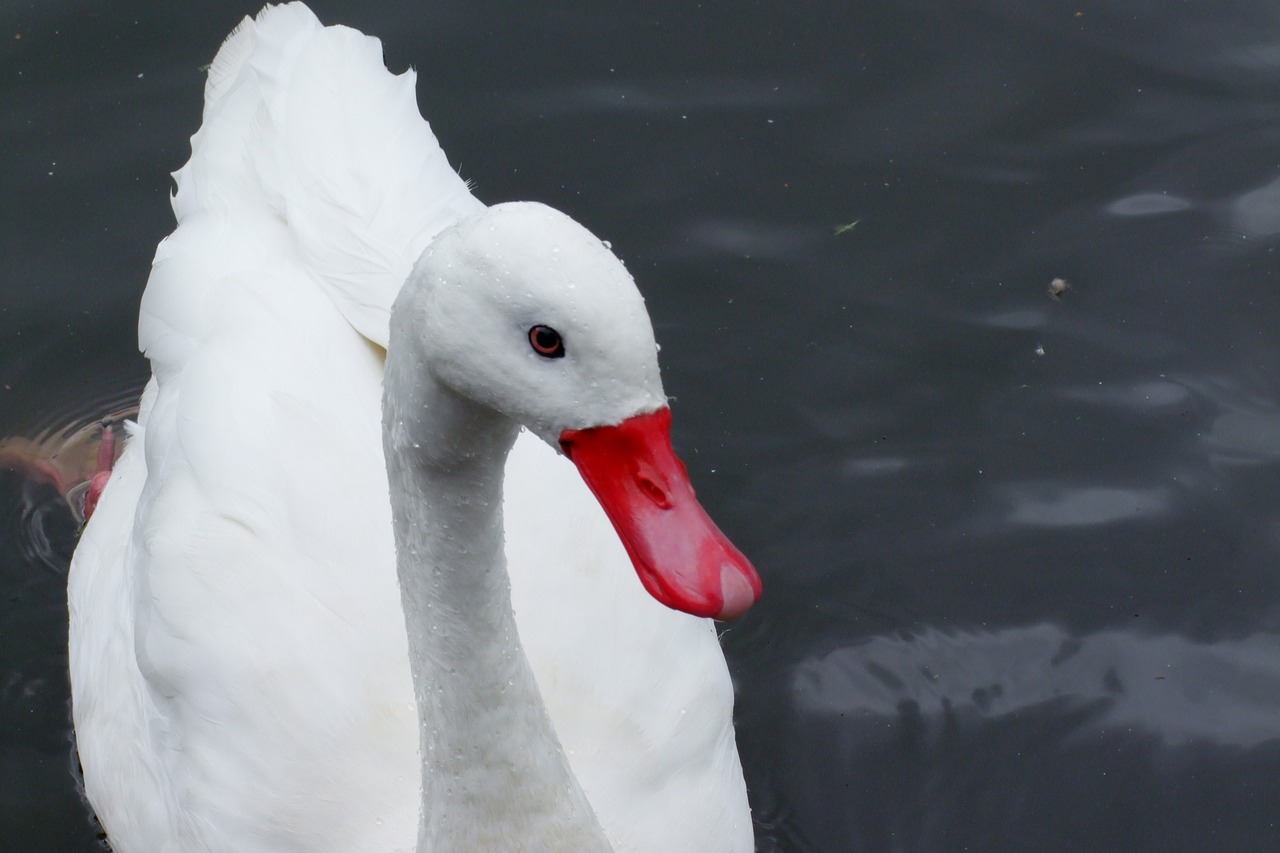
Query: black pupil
x=546, y=341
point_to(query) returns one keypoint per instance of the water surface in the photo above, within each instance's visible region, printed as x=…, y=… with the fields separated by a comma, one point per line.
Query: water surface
x=1021, y=554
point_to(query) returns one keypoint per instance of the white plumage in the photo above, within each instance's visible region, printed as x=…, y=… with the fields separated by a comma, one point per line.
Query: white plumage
x=239, y=667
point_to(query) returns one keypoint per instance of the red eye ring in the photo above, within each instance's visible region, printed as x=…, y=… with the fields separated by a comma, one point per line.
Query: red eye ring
x=546, y=342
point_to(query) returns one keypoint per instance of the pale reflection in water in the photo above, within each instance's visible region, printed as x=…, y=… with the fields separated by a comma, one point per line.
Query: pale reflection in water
x=1257, y=212
x=1137, y=396
x=1054, y=504
x=1148, y=204
x=1179, y=690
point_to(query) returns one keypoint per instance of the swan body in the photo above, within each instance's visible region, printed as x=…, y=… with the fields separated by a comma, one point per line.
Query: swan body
x=250, y=612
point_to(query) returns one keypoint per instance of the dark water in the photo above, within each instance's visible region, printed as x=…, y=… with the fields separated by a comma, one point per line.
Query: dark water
x=1022, y=555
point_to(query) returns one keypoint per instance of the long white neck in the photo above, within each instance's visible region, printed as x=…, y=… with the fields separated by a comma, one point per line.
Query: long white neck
x=494, y=776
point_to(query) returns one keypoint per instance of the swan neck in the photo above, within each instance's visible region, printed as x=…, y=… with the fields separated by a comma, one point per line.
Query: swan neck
x=492, y=767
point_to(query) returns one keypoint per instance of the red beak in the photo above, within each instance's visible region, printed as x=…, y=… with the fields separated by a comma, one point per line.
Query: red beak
x=682, y=558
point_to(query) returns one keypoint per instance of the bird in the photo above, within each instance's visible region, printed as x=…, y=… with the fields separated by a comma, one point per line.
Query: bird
x=397, y=555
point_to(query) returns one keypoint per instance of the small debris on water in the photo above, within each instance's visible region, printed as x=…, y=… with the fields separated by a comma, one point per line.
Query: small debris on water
x=1057, y=287
x=849, y=226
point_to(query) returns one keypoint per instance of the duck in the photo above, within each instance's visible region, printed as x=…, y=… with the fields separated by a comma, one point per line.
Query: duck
x=397, y=555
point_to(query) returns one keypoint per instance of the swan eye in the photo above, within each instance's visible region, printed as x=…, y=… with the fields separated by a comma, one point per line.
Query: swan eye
x=546, y=342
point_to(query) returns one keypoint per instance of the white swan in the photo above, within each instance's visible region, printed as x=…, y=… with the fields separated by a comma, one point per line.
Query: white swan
x=241, y=672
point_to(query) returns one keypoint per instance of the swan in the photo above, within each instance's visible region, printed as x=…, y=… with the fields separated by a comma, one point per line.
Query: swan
x=397, y=555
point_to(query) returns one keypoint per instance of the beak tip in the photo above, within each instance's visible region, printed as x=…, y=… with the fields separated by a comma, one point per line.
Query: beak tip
x=738, y=591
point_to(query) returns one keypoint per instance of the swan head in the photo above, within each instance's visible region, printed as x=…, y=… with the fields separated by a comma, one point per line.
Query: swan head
x=494, y=278
x=523, y=311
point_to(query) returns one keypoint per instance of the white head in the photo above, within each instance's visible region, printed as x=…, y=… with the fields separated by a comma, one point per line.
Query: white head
x=522, y=312
x=501, y=289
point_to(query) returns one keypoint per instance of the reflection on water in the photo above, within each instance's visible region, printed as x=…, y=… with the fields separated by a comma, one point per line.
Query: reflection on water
x=1148, y=204
x=746, y=239
x=1257, y=212
x=1134, y=397
x=65, y=457
x=1056, y=504
x=42, y=480
x=1178, y=690
x=36, y=517
x=1245, y=427
x=40, y=807
x=1031, y=738
x=1244, y=437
